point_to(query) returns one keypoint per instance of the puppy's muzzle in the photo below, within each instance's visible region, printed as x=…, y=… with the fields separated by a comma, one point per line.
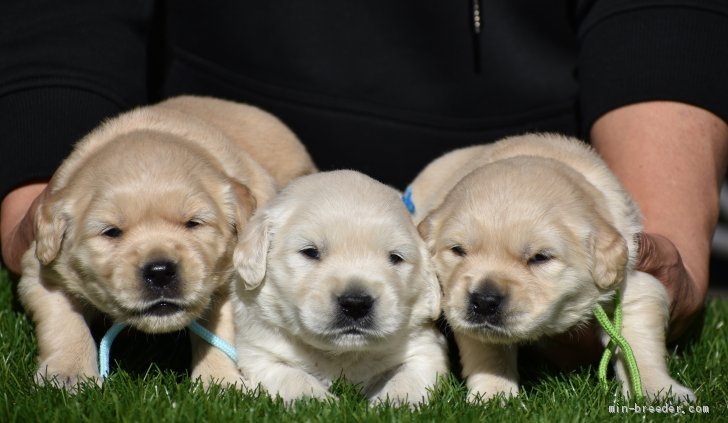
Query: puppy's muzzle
x=485, y=305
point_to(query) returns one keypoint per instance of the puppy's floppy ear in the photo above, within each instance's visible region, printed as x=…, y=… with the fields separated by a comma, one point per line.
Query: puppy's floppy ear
x=426, y=230
x=610, y=255
x=245, y=204
x=428, y=305
x=251, y=253
x=50, y=227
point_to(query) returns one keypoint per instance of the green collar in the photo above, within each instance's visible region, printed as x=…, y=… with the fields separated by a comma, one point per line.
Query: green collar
x=617, y=340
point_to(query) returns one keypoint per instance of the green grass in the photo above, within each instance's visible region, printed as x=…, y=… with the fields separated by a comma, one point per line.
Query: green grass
x=164, y=396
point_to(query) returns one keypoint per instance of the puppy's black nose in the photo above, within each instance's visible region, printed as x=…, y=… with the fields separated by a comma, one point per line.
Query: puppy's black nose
x=355, y=305
x=159, y=274
x=485, y=305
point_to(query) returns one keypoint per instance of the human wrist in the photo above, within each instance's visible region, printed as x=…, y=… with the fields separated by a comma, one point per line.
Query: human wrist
x=16, y=223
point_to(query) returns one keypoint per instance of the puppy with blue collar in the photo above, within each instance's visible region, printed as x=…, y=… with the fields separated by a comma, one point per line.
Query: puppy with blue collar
x=139, y=227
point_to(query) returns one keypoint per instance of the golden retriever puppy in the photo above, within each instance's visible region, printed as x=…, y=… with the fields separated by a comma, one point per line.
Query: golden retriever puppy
x=141, y=223
x=528, y=235
x=336, y=282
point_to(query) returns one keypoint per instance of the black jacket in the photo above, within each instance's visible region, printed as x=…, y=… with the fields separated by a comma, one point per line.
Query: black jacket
x=380, y=86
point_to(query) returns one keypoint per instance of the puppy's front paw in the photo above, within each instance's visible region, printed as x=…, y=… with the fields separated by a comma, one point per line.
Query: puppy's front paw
x=290, y=385
x=396, y=399
x=484, y=388
x=405, y=394
x=70, y=378
x=668, y=389
x=404, y=388
x=225, y=374
x=224, y=379
x=656, y=384
x=297, y=391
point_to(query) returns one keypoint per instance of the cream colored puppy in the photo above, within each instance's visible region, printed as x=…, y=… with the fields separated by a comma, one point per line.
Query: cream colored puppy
x=336, y=282
x=141, y=223
x=528, y=235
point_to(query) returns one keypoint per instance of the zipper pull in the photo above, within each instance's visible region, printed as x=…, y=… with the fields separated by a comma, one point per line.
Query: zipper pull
x=476, y=17
x=476, y=35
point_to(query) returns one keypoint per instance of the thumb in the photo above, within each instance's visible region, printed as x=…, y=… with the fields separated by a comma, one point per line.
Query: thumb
x=657, y=254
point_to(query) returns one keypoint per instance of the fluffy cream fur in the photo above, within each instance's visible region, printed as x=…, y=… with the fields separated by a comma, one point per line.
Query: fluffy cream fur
x=325, y=237
x=141, y=223
x=528, y=235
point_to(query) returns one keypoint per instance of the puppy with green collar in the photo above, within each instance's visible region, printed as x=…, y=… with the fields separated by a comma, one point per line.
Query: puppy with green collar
x=528, y=235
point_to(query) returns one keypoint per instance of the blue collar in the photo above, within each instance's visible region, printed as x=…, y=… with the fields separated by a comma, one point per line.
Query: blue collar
x=198, y=329
x=407, y=199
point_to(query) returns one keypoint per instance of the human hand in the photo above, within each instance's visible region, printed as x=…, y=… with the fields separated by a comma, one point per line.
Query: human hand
x=659, y=257
x=17, y=222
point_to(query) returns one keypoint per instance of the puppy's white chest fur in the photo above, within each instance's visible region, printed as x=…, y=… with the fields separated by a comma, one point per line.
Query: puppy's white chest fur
x=359, y=367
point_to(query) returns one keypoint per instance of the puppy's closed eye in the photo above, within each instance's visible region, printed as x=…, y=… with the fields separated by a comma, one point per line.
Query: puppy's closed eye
x=540, y=257
x=197, y=217
x=193, y=223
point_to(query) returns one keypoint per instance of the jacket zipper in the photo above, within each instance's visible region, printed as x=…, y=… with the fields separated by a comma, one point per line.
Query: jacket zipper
x=476, y=35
